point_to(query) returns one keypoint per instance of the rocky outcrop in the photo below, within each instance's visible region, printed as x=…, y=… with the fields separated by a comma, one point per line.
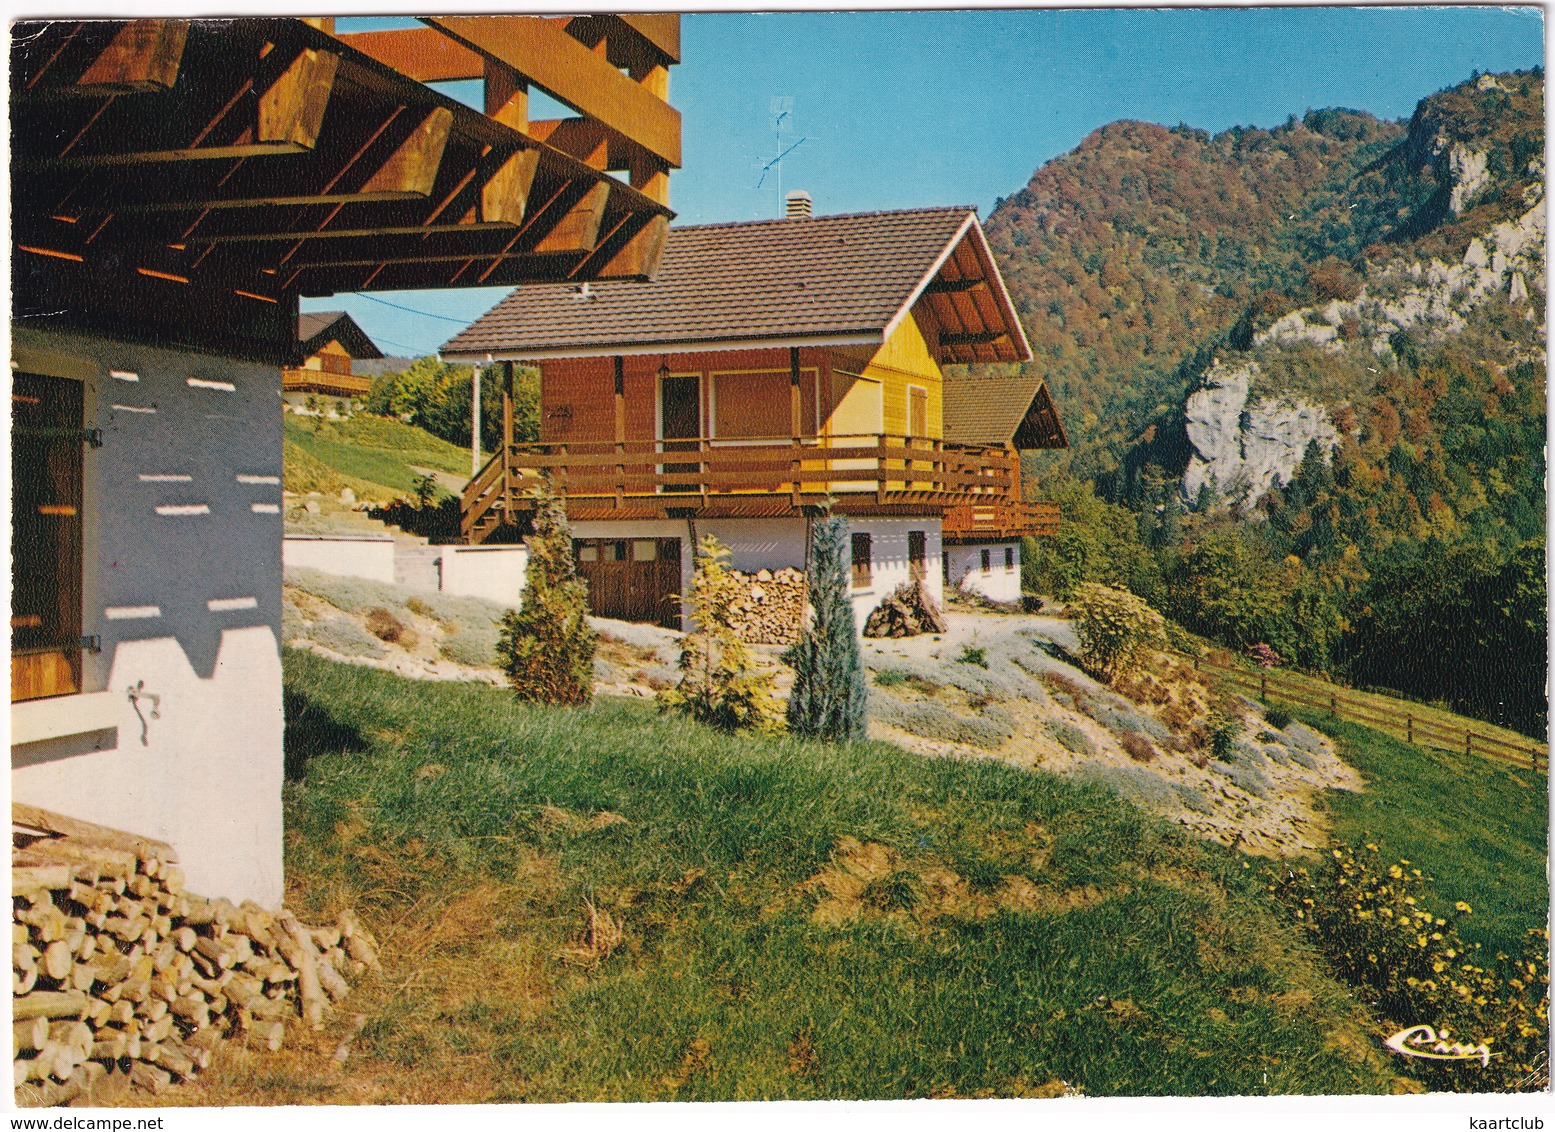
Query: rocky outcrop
x=1240, y=452
x=1469, y=175
x=1432, y=298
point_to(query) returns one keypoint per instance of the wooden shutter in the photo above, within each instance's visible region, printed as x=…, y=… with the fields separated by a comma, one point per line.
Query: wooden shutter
x=46, y=478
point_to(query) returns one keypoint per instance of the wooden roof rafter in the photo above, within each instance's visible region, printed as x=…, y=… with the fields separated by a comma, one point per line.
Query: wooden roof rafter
x=227, y=155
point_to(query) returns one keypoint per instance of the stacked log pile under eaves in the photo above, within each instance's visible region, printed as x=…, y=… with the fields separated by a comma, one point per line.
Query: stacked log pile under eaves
x=122, y=979
x=771, y=609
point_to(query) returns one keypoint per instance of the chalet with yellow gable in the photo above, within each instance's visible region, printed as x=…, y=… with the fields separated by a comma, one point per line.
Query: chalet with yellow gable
x=323, y=384
x=772, y=370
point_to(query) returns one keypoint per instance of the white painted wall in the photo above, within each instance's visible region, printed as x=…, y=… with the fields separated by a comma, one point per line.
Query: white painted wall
x=966, y=570
x=182, y=583
x=888, y=550
x=778, y=542
x=495, y=573
x=350, y=556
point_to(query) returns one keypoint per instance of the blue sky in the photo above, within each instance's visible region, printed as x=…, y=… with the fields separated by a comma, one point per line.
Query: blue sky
x=899, y=109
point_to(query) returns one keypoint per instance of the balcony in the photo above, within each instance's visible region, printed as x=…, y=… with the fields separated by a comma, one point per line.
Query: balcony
x=873, y=474
x=325, y=382
x=996, y=521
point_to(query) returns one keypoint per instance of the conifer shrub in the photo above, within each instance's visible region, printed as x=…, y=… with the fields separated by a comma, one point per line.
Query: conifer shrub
x=719, y=683
x=1413, y=968
x=829, y=693
x=546, y=647
x=1115, y=630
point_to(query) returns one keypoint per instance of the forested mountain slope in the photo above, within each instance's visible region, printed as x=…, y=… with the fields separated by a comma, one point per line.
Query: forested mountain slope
x=1309, y=364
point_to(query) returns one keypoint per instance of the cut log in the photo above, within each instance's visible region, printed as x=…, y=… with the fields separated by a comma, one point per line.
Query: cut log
x=150, y=1078
x=49, y=1004
x=329, y=978
x=58, y=959
x=40, y=877
x=86, y=833
x=29, y=1036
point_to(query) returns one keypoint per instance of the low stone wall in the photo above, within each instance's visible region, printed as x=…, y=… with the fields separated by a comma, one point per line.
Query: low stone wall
x=772, y=610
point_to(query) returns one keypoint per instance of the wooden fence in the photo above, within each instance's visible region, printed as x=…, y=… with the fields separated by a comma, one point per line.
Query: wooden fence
x=1401, y=724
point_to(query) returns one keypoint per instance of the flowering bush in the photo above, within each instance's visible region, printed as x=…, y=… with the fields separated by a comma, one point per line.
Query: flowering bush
x=1263, y=655
x=1115, y=629
x=1413, y=968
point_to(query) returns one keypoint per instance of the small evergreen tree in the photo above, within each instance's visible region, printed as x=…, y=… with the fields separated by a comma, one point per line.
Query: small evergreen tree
x=827, y=700
x=719, y=684
x=547, y=646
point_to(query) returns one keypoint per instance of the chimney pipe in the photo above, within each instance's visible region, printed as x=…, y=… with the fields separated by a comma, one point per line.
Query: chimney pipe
x=798, y=204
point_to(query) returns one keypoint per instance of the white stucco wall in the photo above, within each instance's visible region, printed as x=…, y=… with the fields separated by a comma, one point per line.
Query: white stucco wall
x=182, y=582
x=347, y=555
x=965, y=569
x=775, y=543
x=495, y=573
x=888, y=549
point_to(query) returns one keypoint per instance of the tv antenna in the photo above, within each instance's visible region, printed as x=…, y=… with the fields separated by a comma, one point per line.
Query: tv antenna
x=781, y=112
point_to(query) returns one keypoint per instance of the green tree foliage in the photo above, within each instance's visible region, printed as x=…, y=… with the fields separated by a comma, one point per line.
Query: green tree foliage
x=1115, y=629
x=434, y=395
x=1226, y=587
x=720, y=684
x=1096, y=542
x=828, y=696
x=547, y=646
x=1460, y=625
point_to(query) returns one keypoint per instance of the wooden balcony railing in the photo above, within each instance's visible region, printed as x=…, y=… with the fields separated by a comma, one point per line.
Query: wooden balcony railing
x=1001, y=519
x=692, y=473
x=322, y=381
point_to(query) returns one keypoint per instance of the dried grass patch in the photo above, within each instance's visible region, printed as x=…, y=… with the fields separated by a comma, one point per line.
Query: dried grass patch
x=867, y=879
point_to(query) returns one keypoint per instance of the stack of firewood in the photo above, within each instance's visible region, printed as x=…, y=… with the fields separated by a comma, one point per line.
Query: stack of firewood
x=121, y=978
x=771, y=610
x=906, y=612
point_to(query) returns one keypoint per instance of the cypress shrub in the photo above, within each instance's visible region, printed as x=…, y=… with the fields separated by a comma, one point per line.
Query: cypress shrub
x=547, y=646
x=827, y=701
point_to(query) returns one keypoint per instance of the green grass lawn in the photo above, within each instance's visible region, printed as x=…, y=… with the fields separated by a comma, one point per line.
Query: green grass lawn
x=1014, y=930
x=1479, y=828
x=374, y=449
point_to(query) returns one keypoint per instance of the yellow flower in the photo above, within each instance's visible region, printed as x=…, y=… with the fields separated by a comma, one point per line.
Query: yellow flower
x=1395, y=872
x=1462, y=907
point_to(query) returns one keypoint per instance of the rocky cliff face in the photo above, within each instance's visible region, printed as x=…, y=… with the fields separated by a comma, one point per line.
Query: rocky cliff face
x=1506, y=263
x=1243, y=444
x=1239, y=453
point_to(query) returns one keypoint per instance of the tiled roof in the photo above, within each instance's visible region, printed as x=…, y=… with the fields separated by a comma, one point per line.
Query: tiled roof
x=794, y=279
x=985, y=409
x=316, y=329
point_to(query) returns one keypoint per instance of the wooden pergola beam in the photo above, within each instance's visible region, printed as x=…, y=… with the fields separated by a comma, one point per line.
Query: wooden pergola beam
x=423, y=54
x=564, y=68
x=143, y=56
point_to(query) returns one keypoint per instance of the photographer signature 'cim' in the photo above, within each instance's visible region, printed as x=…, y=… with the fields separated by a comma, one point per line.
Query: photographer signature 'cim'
x=1423, y=1041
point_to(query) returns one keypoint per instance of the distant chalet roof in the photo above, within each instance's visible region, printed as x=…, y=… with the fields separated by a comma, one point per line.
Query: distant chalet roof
x=985, y=409
x=811, y=281
x=317, y=329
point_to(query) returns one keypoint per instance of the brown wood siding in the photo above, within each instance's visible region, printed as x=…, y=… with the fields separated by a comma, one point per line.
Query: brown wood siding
x=579, y=393
x=577, y=400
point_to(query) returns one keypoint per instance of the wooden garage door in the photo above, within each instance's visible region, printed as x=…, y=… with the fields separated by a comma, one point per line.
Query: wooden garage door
x=632, y=579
